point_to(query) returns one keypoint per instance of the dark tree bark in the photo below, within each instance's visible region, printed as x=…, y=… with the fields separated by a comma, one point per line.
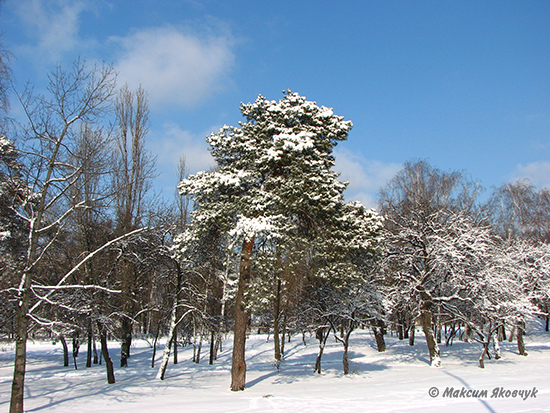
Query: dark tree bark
x=126, y=342
x=21, y=335
x=65, y=350
x=212, y=347
x=521, y=344
x=412, y=334
x=76, y=348
x=276, y=316
x=321, y=334
x=238, y=364
x=379, y=337
x=175, y=342
x=106, y=357
x=89, y=347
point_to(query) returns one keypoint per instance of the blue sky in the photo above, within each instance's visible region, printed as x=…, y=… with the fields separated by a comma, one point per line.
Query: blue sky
x=463, y=84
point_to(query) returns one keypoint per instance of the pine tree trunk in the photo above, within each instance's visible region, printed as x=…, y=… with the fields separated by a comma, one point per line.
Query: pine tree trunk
x=238, y=364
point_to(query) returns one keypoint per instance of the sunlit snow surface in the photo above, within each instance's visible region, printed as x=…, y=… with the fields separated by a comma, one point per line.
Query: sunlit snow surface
x=395, y=381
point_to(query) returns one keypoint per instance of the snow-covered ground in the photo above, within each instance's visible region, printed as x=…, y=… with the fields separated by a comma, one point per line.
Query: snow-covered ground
x=398, y=380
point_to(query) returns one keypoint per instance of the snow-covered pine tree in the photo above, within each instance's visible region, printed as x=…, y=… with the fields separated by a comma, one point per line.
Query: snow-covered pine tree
x=274, y=187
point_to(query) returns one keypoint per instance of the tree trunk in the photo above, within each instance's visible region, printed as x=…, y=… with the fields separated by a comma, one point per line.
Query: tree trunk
x=106, y=357
x=521, y=344
x=412, y=333
x=238, y=364
x=155, y=346
x=322, y=334
x=379, y=337
x=95, y=360
x=166, y=355
x=126, y=342
x=212, y=347
x=89, y=347
x=511, y=338
x=438, y=331
x=426, y=320
x=21, y=335
x=65, y=350
x=345, y=342
x=76, y=347
x=276, y=314
x=197, y=357
x=175, y=343
x=283, y=337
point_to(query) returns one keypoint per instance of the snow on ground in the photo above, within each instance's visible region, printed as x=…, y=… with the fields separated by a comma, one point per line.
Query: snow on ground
x=398, y=380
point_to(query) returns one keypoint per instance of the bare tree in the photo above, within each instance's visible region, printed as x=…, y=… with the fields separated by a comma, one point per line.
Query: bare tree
x=76, y=96
x=431, y=221
x=133, y=171
x=519, y=211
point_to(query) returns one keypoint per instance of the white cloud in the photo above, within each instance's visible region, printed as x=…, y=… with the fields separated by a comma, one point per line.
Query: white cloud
x=176, y=68
x=537, y=172
x=52, y=25
x=176, y=142
x=365, y=177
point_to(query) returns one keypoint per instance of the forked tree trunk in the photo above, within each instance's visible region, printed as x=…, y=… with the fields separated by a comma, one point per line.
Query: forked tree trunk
x=322, y=334
x=238, y=364
x=345, y=342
